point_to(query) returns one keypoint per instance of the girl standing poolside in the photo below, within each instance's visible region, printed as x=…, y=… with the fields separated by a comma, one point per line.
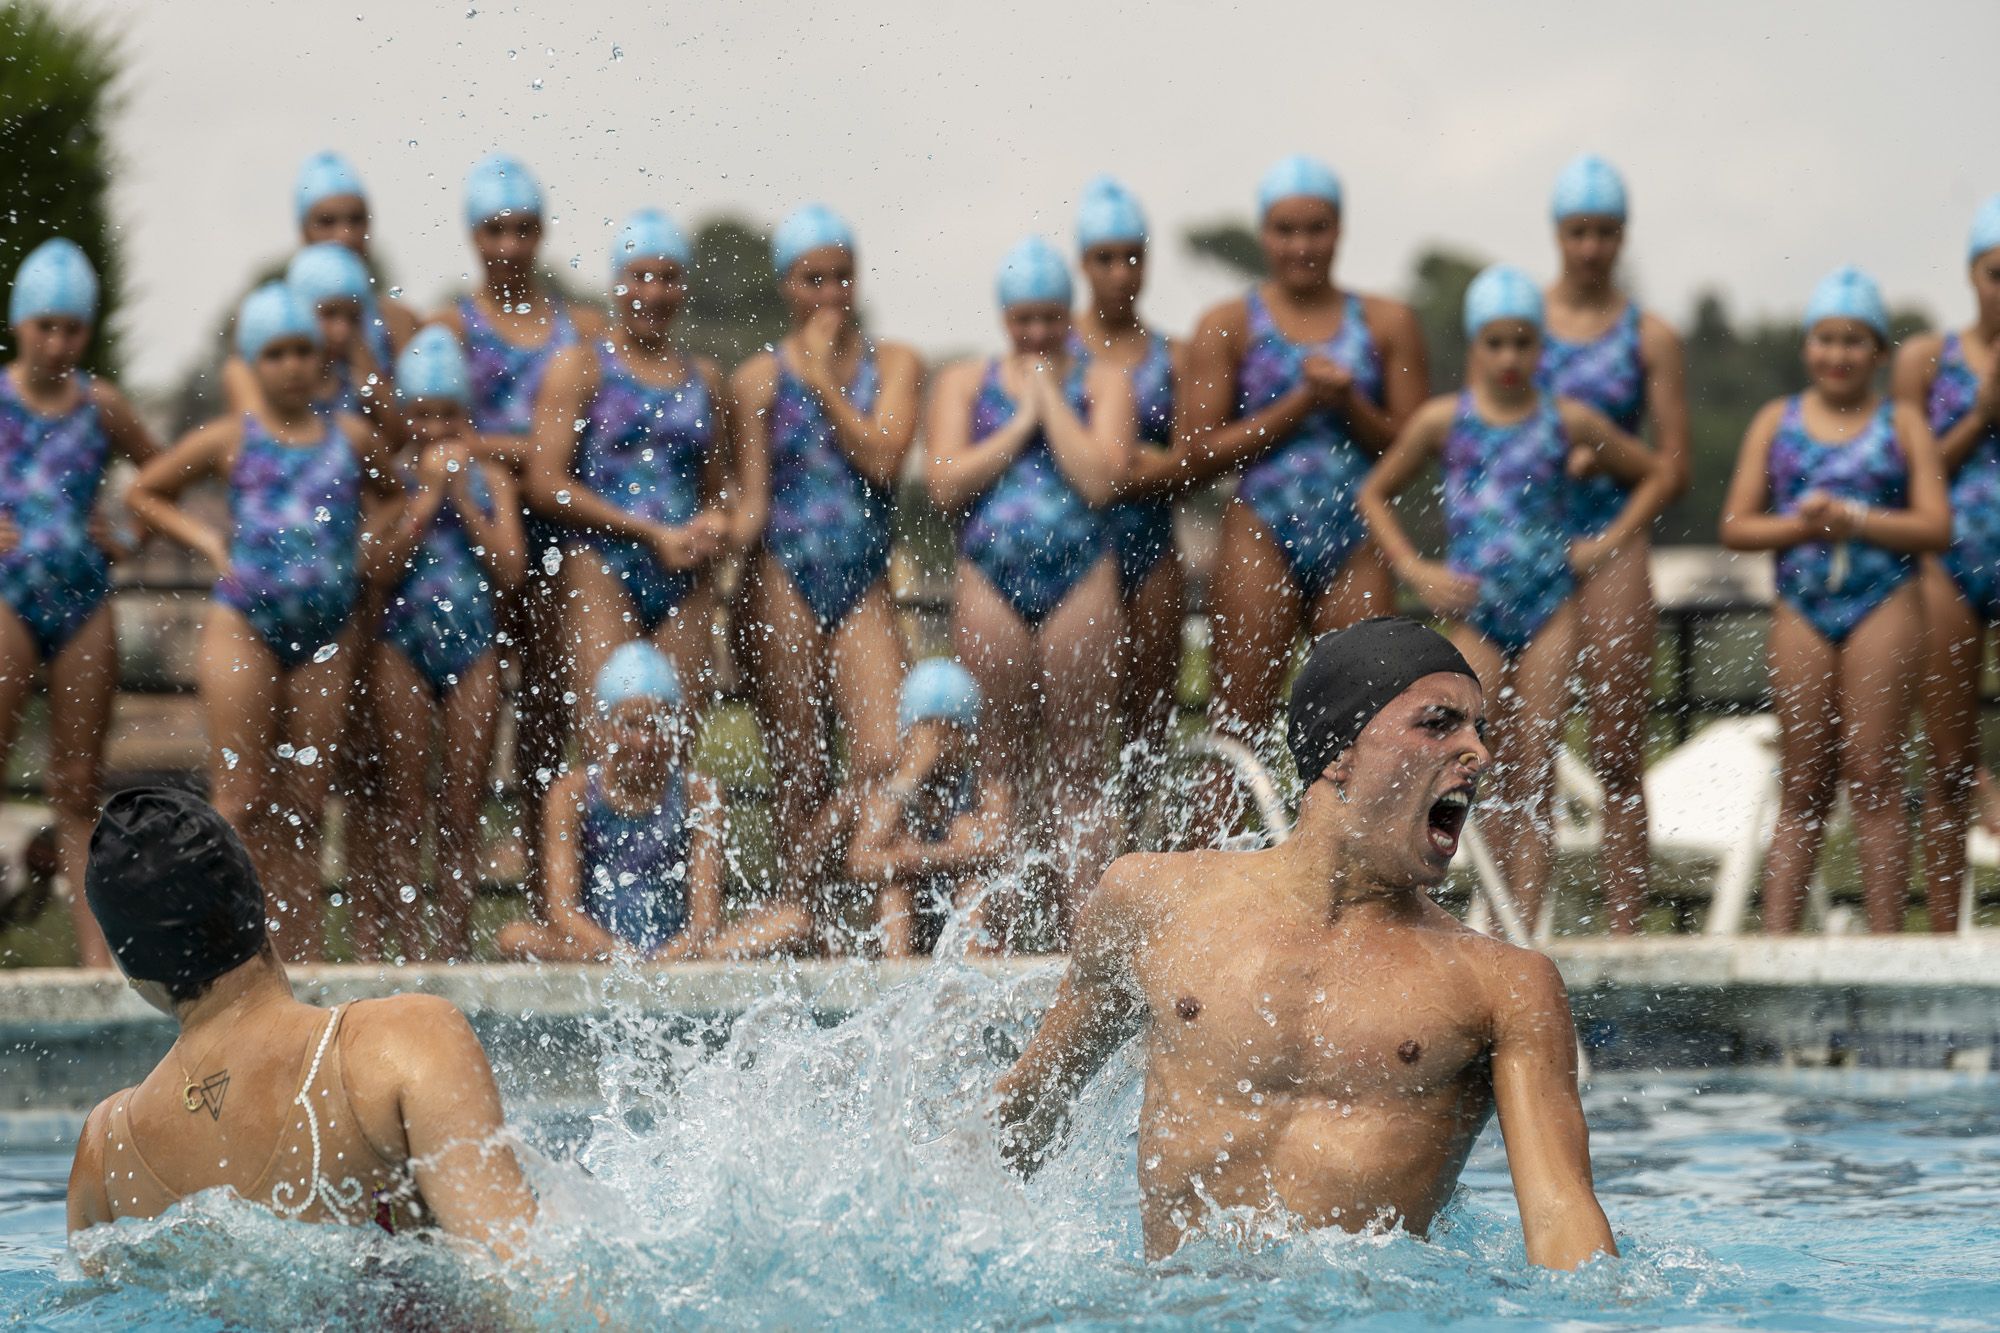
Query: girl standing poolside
x=512, y=327
x=58, y=430
x=1111, y=239
x=279, y=650
x=1032, y=449
x=1297, y=386
x=329, y=204
x=642, y=489
x=1846, y=487
x=826, y=418
x=455, y=549
x=1602, y=350
x=1511, y=566
x=1949, y=378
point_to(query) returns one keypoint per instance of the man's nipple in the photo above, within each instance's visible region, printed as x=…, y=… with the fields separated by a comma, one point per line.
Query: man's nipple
x=1409, y=1052
x=1188, y=1008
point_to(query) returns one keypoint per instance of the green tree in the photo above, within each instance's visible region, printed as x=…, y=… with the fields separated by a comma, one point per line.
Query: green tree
x=1230, y=244
x=56, y=95
x=733, y=303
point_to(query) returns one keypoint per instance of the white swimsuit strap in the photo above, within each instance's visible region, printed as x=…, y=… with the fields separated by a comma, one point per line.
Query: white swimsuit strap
x=338, y=1198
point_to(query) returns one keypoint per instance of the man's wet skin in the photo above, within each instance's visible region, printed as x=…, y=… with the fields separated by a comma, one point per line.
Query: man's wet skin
x=1323, y=1039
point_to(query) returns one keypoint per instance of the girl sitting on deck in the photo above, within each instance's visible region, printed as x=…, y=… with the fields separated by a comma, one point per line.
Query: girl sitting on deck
x=1846, y=487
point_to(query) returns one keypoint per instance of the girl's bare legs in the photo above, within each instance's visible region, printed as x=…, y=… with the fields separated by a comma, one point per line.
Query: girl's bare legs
x=1618, y=626
x=1254, y=615
x=1153, y=616
x=316, y=695
x=1955, y=652
x=365, y=835
x=1527, y=700
x=1877, y=688
x=242, y=694
x=83, y=679
x=533, y=617
x=1080, y=653
x=999, y=649
x=867, y=662
x=471, y=722
x=402, y=735
x=787, y=663
x=1805, y=671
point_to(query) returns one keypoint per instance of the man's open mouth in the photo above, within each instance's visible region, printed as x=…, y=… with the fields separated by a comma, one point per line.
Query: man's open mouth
x=1447, y=819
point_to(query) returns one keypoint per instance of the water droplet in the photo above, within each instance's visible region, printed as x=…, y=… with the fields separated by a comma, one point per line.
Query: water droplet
x=552, y=560
x=408, y=893
x=308, y=756
x=617, y=53
x=228, y=757
x=322, y=515
x=536, y=85
x=285, y=750
x=326, y=654
x=562, y=497
x=1243, y=1085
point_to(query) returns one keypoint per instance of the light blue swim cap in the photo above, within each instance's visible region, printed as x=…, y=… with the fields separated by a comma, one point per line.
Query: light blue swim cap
x=329, y=272
x=1848, y=293
x=938, y=690
x=648, y=234
x=808, y=228
x=55, y=279
x=433, y=366
x=1501, y=292
x=324, y=175
x=1296, y=177
x=1985, y=229
x=268, y=314
x=1108, y=212
x=500, y=184
x=1589, y=185
x=1033, y=271
x=636, y=670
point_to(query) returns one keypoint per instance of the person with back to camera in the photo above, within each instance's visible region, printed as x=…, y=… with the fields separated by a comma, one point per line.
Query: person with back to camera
x=930, y=831
x=1322, y=1038
x=1845, y=487
x=381, y=1111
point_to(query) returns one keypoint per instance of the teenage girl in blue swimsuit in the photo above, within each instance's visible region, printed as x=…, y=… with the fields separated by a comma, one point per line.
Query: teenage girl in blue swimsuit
x=455, y=549
x=1512, y=561
x=1846, y=487
x=512, y=327
x=1111, y=240
x=1032, y=450
x=280, y=648
x=826, y=422
x=1601, y=349
x=1296, y=387
x=642, y=487
x=58, y=430
x=329, y=204
x=1949, y=378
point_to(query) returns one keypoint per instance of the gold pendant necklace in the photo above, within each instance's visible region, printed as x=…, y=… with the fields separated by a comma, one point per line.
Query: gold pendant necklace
x=202, y=1094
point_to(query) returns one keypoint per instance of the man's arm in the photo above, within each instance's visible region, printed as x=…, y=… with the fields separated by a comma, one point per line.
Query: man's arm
x=1541, y=1116
x=465, y=1166
x=1095, y=1010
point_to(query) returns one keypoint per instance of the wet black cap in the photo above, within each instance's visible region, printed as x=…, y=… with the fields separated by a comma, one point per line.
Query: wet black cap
x=172, y=887
x=1350, y=675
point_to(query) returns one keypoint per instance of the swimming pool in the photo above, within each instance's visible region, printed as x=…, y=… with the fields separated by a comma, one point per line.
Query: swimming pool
x=803, y=1175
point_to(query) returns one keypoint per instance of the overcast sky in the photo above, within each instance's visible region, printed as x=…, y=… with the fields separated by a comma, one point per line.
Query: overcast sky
x=1763, y=143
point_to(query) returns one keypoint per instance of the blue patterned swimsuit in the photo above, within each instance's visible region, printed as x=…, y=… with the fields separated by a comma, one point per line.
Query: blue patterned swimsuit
x=1030, y=533
x=51, y=469
x=442, y=616
x=1609, y=374
x=643, y=449
x=296, y=511
x=506, y=380
x=635, y=866
x=1973, y=560
x=1303, y=488
x=829, y=525
x=1142, y=531
x=1871, y=469
x=1505, y=512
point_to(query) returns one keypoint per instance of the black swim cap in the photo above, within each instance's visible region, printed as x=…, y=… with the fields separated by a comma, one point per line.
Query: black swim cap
x=1350, y=674
x=172, y=888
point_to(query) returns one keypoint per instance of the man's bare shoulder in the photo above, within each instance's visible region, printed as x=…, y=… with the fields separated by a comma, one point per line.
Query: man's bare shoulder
x=1161, y=881
x=1514, y=980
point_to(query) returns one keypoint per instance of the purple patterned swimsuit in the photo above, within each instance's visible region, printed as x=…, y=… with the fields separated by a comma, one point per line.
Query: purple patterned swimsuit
x=1030, y=534
x=1142, y=531
x=1973, y=560
x=1836, y=592
x=506, y=380
x=829, y=525
x=643, y=449
x=1506, y=505
x=296, y=511
x=1303, y=487
x=1609, y=374
x=442, y=616
x=51, y=468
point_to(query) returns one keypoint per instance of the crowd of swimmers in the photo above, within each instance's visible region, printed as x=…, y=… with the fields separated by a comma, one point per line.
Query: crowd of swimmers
x=531, y=488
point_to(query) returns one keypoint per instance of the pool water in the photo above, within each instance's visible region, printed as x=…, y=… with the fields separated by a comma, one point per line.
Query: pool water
x=799, y=1175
